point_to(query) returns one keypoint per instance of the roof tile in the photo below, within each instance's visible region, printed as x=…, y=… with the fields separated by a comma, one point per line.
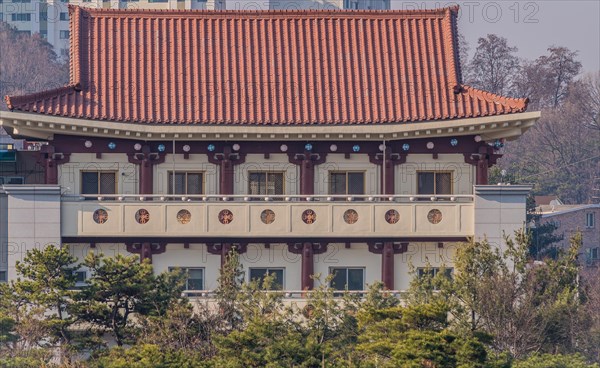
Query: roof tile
x=265, y=67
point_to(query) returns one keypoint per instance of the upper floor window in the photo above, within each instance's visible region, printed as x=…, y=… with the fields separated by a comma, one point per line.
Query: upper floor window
x=348, y=278
x=194, y=277
x=98, y=182
x=346, y=182
x=21, y=17
x=594, y=254
x=186, y=182
x=3, y=276
x=434, y=182
x=64, y=16
x=64, y=35
x=590, y=220
x=259, y=275
x=265, y=183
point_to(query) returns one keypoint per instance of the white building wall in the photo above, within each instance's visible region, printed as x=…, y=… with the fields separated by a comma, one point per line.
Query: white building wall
x=69, y=174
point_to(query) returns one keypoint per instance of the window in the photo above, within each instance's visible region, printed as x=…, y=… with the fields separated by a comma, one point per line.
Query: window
x=260, y=273
x=348, y=278
x=3, y=276
x=64, y=35
x=1, y=15
x=43, y=16
x=194, y=277
x=346, y=182
x=186, y=182
x=44, y=34
x=265, y=183
x=80, y=276
x=433, y=271
x=64, y=16
x=433, y=182
x=64, y=52
x=590, y=220
x=21, y=17
x=98, y=182
x=594, y=254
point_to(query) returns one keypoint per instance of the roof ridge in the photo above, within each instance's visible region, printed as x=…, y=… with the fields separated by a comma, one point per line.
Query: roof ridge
x=11, y=101
x=441, y=12
x=513, y=102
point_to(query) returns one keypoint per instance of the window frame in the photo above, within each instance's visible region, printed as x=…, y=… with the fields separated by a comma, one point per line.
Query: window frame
x=268, y=271
x=346, y=268
x=98, y=172
x=590, y=220
x=435, y=172
x=435, y=271
x=332, y=172
x=267, y=173
x=186, y=270
x=186, y=172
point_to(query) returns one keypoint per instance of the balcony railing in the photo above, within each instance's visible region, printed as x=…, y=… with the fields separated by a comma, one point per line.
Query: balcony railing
x=278, y=216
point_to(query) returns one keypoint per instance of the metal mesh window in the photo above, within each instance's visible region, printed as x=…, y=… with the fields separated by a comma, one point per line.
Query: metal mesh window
x=98, y=182
x=347, y=182
x=186, y=183
x=431, y=182
x=265, y=183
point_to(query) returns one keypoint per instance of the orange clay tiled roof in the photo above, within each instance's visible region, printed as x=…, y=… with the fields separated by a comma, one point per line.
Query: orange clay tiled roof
x=265, y=67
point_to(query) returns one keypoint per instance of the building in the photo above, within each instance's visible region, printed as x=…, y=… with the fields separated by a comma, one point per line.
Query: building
x=570, y=219
x=50, y=18
x=316, y=142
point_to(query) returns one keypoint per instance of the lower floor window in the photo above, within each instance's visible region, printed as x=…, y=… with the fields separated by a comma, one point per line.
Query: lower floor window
x=3, y=276
x=433, y=271
x=194, y=277
x=594, y=253
x=348, y=278
x=259, y=274
x=80, y=277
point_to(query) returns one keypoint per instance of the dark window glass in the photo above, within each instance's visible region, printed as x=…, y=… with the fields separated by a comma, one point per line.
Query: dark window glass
x=348, y=278
x=194, y=277
x=186, y=183
x=434, y=183
x=342, y=183
x=3, y=276
x=260, y=273
x=97, y=182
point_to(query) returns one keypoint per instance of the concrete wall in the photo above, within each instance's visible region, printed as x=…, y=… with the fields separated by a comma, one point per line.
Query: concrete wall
x=499, y=210
x=33, y=220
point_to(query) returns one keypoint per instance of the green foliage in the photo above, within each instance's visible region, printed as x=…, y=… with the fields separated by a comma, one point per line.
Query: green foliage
x=147, y=356
x=120, y=287
x=554, y=361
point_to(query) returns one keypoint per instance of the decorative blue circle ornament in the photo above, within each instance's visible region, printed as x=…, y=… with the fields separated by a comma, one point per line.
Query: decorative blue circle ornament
x=308, y=147
x=498, y=144
x=112, y=145
x=356, y=148
x=405, y=147
x=161, y=148
x=454, y=142
x=211, y=147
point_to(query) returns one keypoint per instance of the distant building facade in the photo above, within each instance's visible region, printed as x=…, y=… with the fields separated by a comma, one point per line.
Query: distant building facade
x=570, y=219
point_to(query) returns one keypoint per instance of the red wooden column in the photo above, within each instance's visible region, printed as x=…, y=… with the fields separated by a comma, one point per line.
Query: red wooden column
x=223, y=249
x=226, y=162
x=388, y=174
x=387, y=250
x=387, y=265
x=307, y=162
x=50, y=160
x=308, y=266
x=307, y=250
x=146, y=161
x=483, y=159
x=146, y=249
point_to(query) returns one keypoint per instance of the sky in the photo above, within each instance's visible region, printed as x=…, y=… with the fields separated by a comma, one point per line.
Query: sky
x=531, y=26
